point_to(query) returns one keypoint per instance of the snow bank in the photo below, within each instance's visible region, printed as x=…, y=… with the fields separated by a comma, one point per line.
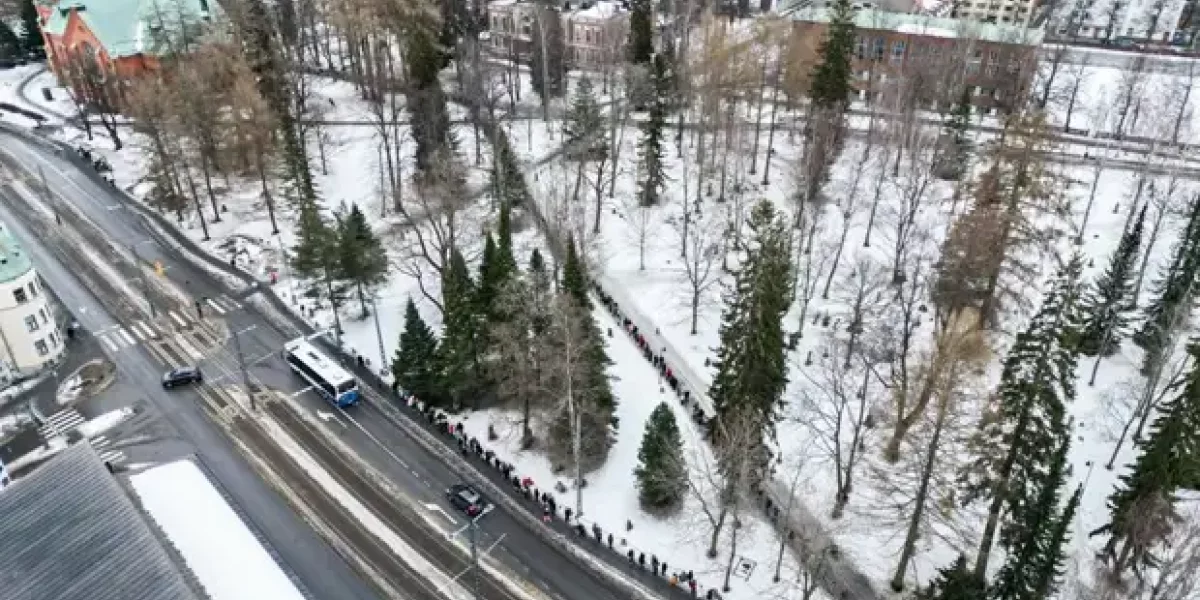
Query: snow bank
x=214, y=542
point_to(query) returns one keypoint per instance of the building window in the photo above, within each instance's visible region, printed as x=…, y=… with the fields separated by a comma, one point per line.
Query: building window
x=31, y=323
x=53, y=339
x=41, y=348
x=877, y=49
x=33, y=290
x=20, y=296
x=861, y=49
x=42, y=313
x=897, y=50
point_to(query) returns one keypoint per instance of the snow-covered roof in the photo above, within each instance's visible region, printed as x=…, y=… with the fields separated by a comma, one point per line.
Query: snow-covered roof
x=599, y=11
x=71, y=533
x=924, y=25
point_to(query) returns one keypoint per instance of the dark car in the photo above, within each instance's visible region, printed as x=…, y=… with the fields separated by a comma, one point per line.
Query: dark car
x=470, y=502
x=182, y=376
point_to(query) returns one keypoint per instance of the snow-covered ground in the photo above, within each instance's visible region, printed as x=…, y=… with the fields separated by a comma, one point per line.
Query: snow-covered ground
x=216, y=545
x=658, y=294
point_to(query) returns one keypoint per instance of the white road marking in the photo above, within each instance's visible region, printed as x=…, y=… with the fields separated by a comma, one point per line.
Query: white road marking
x=61, y=422
x=437, y=509
x=129, y=341
x=178, y=319
x=100, y=441
x=189, y=348
x=297, y=394
x=137, y=331
x=112, y=456
x=109, y=343
x=215, y=306
x=325, y=416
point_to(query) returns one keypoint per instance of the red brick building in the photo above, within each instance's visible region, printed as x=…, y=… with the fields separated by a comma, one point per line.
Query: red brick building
x=929, y=57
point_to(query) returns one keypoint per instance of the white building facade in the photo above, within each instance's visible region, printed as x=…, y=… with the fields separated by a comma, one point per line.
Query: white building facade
x=30, y=338
x=1155, y=21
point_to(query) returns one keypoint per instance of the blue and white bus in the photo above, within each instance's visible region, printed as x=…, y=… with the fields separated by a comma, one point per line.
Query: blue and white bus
x=325, y=375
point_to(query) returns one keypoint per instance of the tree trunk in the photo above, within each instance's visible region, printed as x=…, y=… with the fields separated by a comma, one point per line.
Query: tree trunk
x=998, y=495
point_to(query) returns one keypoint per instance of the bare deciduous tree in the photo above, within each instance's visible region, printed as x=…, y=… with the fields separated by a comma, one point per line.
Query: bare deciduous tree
x=705, y=242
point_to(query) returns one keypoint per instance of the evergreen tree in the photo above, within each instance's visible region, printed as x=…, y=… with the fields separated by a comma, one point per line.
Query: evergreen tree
x=10, y=44
x=1021, y=433
x=1109, y=300
x=955, y=150
x=661, y=472
x=751, y=363
x=431, y=132
x=831, y=81
x=1034, y=536
x=650, y=147
x=459, y=352
x=584, y=124
x=641, y=31
x=548, y=48
x=504, y=241
x=1172, y=304
x=492, y=278
x=1143, y=506
x=422, y=57
x=574, y=278
x=415, y=365
x=361, y=257
x=955, y=582
x=31, y=24
x=315, y=242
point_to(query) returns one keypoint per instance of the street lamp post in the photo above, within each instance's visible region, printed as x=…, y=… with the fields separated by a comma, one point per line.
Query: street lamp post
x=379, y=336
x=237, y=345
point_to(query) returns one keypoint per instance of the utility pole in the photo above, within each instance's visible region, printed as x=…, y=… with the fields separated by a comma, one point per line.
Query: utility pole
x=379, y=335
x=237, y=345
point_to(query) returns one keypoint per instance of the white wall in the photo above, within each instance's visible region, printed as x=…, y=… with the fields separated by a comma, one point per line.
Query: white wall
x=29, y=334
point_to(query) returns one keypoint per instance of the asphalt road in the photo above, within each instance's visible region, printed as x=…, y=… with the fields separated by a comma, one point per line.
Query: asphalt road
x=313, y=565
x=371, y=434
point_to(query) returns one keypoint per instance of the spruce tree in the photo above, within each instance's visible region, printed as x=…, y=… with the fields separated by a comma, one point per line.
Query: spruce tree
x=31, y=24
x=10, y=45
x=955, y=144
x=650, y=146
x=459, y=352
x=955, y=582
x=361, y=256
x=1108, y=302
x=574, y=278
x=415, y=365
x=751, y=363
x=641, y=31
x=1143, y=506
x=1034, y=536
x=1172, y=303
x=1020, y=435
x=315, y=242
x=431, y=131
x=661, y=472
x=492, y=277
x=504, y=241
x=831, y=81
x=584, y=123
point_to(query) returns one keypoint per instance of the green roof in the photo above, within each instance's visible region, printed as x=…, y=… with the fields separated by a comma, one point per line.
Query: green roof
x=14, y=262
x=926, y=25
x=132, y=27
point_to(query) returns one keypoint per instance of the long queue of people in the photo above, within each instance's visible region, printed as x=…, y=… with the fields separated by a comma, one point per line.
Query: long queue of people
x=543, y=502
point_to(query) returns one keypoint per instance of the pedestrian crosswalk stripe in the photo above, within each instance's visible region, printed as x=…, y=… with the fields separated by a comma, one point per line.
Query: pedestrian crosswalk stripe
x=100, y=441
x=111, y=456
x=129, y=341
x=178, y=319
x=190, y=349
x=137, y=331
x=215, y=306
x=110, y=344
x=61, y=422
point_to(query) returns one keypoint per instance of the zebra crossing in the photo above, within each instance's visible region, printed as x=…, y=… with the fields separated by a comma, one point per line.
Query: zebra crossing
x=102, y=445
x=67, y=420
x=121, y=336
x=61, y=423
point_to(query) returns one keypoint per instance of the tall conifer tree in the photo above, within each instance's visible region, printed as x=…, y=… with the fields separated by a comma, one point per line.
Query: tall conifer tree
x=641, y=31
x=1108, y=302
x=1171, y=306
x=954, y=582
x=459, y=352
x=361, y=257
x=751, y=362
x=1143, y=506
x=650, y=146
x=1021, y=434
x=661, y=472
x=415, y=365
